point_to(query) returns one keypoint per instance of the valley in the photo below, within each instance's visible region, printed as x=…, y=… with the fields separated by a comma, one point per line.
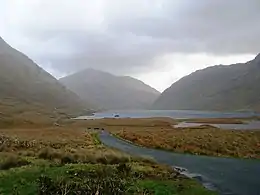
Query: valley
x=72, y=159
x=200, y=136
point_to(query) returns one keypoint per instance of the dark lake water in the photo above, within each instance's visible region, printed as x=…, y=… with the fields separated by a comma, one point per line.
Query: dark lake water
x=178, y=114
x=228, y=176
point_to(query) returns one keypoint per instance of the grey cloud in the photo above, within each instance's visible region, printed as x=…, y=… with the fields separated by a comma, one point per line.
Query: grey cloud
x=110, y=52
x=217, y=27
x=129, y=41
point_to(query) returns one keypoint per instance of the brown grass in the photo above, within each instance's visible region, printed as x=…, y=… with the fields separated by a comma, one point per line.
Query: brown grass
x=75, y=139
x=36, y=139
x=113, y=122
x=204, y=140
x=215, y=120
x=69, y=143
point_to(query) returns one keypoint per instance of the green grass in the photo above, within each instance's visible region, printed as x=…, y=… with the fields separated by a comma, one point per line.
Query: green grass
x=187, y=187
x=142, y=179
x=96, y=139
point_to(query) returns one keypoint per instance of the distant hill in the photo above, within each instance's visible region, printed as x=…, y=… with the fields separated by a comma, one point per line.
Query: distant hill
x=233, y=87
x=26, y=90
x=109, y=91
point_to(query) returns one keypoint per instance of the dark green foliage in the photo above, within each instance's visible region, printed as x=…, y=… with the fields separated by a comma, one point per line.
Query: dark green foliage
x=96, y=138
x=121, y=179
x=124, y=169
x=102, y=181
x=112, y=159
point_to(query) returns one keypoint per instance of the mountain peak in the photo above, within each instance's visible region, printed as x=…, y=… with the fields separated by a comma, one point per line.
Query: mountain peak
x=5, y=47
x=225, y=88
x=110, y=91
x=2, y=42
x=24, y=83
x=93, y=71
x=257, y=58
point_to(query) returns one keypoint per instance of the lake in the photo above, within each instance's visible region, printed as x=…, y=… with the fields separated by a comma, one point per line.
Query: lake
x=177, y=114
x=182, y=114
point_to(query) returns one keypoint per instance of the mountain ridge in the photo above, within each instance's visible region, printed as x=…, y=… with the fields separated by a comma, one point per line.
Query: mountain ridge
x=220, y=87
x=110, y=91
x=26, y=87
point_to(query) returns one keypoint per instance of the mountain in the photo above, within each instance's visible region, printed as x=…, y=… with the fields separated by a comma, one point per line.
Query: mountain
x=233, y=87
x=109, y=91
x=26, y=88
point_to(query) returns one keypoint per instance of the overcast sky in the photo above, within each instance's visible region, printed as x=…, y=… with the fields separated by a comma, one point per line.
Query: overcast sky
x=157, y=41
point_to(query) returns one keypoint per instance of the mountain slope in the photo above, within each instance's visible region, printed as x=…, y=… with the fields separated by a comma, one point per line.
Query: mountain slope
x=233, y=87
x=25, y=87
x=109, y=91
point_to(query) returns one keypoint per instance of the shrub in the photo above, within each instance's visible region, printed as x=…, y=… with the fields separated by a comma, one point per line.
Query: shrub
x=112, y=159
x=105, y=180
x=13, y=161
x=3, y=148
x=44, y=153
x=26, y=153
x=67, y=158
x=49, y=154
x=124, y=169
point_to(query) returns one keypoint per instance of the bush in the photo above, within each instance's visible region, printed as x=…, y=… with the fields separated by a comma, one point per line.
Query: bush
x=124, y=169
x=112, y=159
x=105, y=180
x=26, y=153
x=13, y=161
x=66, y=159
x=106, y=158
x=44, y=153
x=3, y=148
x=49, y=154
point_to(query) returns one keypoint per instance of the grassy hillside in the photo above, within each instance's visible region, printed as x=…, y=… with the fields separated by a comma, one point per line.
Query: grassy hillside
x=233, y=87
x=109, y=91
x=26, y=88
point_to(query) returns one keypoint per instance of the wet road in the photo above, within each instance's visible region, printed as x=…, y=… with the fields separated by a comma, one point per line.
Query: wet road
x=228, y=176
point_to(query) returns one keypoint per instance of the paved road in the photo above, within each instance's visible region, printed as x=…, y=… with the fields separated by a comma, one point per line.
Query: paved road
x=226, y=175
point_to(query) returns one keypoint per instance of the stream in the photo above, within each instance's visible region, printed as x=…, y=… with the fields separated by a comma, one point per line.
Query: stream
x=228, y=176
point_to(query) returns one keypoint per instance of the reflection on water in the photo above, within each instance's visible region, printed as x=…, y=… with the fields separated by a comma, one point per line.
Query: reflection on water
x=88, y=117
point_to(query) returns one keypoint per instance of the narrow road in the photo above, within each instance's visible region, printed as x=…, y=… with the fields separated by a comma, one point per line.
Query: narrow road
x=228, y=176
